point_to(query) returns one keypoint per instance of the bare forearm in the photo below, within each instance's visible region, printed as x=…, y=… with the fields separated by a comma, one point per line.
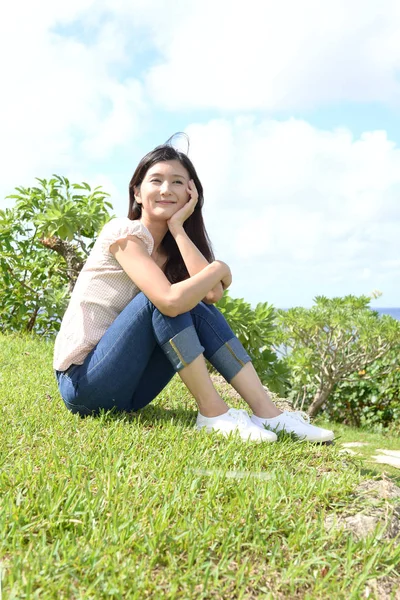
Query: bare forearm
x=186, y=294
x=192, y=257
x=195, y=261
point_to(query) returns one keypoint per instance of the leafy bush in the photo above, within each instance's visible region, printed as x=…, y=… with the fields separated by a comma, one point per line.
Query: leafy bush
x=370, y=397
x=256, y=329
x=328, y=343
x=44, y=240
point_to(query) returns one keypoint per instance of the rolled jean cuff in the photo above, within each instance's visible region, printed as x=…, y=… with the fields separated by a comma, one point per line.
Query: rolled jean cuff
x=229, y=359
x=183, y=348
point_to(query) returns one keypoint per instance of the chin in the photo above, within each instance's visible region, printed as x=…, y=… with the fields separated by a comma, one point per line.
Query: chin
x=166, y=210
x=160, y=217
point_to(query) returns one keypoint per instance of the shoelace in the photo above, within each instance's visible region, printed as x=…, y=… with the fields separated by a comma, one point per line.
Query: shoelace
x=239, y=415
x=299, y=415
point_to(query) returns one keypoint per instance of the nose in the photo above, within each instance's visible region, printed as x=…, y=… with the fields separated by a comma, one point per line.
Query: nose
x=165, y=188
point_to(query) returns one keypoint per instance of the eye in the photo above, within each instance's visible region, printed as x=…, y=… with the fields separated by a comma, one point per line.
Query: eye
x=179, y=181
x=155, y=180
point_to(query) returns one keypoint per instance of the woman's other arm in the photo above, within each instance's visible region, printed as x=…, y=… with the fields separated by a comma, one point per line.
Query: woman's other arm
x=195, y=261
x=170, y=299
x=192, y=257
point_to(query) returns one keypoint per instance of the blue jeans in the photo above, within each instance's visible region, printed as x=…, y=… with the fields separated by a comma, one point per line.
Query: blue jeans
x=141, y=351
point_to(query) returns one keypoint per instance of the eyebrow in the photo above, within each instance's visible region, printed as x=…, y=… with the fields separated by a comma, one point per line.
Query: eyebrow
x=161, y=175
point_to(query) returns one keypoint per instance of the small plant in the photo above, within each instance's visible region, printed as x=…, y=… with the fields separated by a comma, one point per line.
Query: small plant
x=256, y=329
x=44, y=240
x=326, y=344
x=370, y=397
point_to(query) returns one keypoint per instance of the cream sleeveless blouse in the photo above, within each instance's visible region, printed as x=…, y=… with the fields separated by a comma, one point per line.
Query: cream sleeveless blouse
x=101, y=292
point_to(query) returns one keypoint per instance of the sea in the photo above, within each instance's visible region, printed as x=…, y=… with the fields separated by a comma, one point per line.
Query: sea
x=393, y=312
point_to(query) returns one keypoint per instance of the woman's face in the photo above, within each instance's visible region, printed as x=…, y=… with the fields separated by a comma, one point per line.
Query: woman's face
x=164, y=190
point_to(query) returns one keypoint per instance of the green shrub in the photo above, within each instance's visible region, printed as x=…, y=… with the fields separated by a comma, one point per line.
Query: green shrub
x=44, y=240
x=370, y=397
x=331, y=341
x=256, y=329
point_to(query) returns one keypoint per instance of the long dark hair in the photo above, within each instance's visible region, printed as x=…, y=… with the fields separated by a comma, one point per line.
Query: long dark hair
x=174, y=269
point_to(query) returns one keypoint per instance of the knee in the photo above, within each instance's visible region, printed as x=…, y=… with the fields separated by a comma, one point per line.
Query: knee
x=207, y=310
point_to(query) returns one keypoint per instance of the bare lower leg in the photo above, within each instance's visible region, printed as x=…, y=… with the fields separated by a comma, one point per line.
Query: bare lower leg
x=196, y=378
x=248, y=385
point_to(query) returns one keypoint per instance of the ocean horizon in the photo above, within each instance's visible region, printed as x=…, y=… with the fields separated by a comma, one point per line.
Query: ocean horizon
x=393, y=312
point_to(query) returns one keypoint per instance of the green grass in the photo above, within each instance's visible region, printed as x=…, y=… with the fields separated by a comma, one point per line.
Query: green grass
x=373, y=441
x=142, y=506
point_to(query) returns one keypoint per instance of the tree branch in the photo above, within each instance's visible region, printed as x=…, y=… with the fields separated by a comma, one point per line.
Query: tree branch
x=25, y=285
x=68, y=252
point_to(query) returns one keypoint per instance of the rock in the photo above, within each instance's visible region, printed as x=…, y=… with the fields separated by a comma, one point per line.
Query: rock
x=379, y=512
x=395, y=453
x=387, y=588
x=387, y=460
x=390, y=457
x=382, y=488
x=354, y=444
x=361, y=525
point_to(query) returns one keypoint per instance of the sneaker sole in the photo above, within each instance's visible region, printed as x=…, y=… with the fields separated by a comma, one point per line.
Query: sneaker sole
x=228, y=433
x=299, y=438
x=324, y=442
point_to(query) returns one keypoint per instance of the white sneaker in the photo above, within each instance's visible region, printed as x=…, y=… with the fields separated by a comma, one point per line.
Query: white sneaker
x=298, y=423
x=236, y=420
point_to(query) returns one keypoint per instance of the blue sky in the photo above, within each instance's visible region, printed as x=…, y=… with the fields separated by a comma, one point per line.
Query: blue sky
x=292, y=109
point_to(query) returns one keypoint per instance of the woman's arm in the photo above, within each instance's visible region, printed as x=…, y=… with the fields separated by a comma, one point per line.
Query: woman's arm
x=170, y=299
x=194, y=261
x=192, y=257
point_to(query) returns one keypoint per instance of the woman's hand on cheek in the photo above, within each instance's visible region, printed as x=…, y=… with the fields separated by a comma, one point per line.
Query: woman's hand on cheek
x=178, y=219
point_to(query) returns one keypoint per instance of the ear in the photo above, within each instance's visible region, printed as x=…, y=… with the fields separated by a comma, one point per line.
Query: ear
x=136, y=190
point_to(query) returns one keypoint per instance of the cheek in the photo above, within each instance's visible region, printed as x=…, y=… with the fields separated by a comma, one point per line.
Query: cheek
x=184, y=196
x=183, y=201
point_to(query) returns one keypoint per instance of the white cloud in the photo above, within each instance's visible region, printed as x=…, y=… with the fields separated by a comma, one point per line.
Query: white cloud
x=278, y=55
x=62, y=103
x=75, y=78
x=291, y=207
x=294, y=202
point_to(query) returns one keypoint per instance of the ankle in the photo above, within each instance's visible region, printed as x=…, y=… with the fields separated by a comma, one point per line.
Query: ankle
x=212, y=415
x=267, y=412
x=214, y=409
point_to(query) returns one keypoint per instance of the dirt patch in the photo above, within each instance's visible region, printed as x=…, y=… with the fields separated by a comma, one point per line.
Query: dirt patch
x=226, y=389
x=381, y=513
x=387, y=588
x=382, y=488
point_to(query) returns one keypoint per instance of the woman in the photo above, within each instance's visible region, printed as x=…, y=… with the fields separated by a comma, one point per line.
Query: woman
x=142, y=309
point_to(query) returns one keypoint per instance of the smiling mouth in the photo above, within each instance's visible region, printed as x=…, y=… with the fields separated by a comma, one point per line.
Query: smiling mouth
x=165, y=202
